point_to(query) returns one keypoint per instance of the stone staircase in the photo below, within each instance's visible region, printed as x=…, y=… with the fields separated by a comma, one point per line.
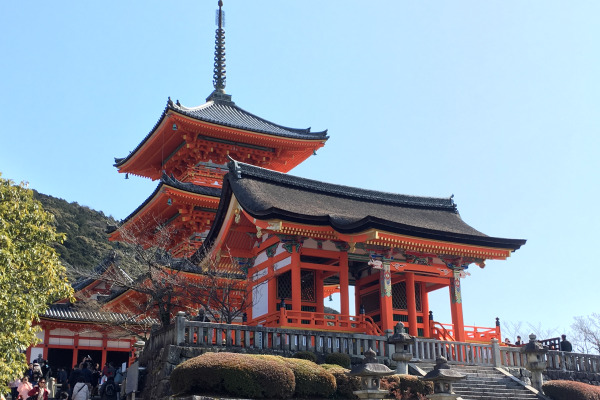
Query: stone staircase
x=487, y=383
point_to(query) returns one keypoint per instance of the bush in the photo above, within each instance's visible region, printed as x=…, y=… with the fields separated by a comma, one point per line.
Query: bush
x=306, y=355
x=341, y=359
x=345, y=383
x=311, y=379
x=570, y=390
x=235, y=374
x=406, y=387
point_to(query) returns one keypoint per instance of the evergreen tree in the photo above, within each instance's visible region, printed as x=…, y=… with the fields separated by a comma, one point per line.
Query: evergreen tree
x=31, y=275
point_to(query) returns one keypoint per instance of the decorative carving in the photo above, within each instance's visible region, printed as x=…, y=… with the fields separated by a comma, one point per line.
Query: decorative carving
x=413, y=259
x=386, y=281
x=271, y=250
x=341, y=246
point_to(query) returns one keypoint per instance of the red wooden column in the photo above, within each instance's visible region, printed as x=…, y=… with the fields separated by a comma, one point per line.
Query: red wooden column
x=456, y=307
x=272, y=290
x=296, y=281
x=411, y=303
x=385, y=298
x=104, y=346
x=344, y=291
x=425, y=309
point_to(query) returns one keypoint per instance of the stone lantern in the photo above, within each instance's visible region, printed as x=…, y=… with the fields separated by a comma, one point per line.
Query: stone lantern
x=370, y=373
x=535, y=360
x=401, y=341
x=443, y=377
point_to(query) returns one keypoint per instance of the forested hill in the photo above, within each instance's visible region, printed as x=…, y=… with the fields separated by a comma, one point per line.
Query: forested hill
x=86, y=243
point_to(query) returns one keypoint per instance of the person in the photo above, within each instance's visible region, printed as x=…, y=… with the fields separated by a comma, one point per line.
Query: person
x=61, y=377
x=108, y=370
x=24, y=388
x=29, y=372
x=14, y=394
x=81, y=390
x=507, y=341
x=518, y=342
x=37, y=374
x=109, y=390
x=565, y=345
x=39, y=392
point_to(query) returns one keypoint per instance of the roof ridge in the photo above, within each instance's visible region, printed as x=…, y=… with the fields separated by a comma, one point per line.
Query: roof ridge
x=239, y=169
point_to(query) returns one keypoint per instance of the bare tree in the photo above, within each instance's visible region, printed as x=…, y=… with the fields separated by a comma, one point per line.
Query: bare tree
x=513, y=329
x=586, y=333
x=154, y=285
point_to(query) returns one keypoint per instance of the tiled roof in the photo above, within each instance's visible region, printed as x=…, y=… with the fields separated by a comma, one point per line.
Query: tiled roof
x=266, y=194
x=170, y=181
x=226, y=113
x=68, y=312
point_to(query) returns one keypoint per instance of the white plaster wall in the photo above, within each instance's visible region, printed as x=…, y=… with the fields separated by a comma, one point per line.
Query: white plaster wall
x=260, y=298
x=282, y=263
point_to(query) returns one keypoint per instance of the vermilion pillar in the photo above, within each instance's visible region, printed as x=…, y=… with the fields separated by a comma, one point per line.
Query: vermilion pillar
x=456, y=307
x=425, y=309
x=411, y=303
x=344, y=296
x=387, y=312
x=296, y=282
x=320, y=292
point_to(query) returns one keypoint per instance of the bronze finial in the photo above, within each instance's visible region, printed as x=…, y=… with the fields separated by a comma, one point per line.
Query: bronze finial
x=219, y=66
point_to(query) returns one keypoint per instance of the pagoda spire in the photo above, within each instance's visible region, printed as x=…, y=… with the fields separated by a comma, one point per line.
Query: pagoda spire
x=219, y=74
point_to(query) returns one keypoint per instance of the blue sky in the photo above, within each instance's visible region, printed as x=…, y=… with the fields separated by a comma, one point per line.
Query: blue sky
x=495, y=102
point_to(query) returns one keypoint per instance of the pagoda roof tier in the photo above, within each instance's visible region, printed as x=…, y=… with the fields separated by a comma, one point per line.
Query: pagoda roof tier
x=212, y=131
x=172, y=202
x=288, y=204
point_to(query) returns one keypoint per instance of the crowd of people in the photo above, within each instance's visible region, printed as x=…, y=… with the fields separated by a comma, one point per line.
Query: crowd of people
x=85, y=381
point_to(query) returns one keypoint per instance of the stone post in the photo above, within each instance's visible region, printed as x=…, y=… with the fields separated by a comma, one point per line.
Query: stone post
x=535, y=356
x=402, y=342
x=180, y=328
x=496, y=356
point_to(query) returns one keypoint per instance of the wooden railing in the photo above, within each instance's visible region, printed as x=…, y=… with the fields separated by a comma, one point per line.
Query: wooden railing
x=472, y=333
x=319, y=321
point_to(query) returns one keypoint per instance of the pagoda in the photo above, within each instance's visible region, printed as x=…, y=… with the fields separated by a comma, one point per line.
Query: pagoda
x=225, y=195
x=187, y=151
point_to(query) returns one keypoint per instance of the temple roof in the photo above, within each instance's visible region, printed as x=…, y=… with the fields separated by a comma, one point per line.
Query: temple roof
x=166, y=180
x=226, y=113
x=68, y=312
x=266, y=194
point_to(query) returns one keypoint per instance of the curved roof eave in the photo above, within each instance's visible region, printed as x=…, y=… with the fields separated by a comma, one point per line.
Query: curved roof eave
x=279, y=130
x=174, y=183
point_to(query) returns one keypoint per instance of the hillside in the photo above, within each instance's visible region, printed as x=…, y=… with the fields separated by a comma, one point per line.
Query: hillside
x=86, y=243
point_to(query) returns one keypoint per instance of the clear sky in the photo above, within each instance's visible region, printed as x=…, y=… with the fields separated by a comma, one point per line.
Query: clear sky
x=495, y=102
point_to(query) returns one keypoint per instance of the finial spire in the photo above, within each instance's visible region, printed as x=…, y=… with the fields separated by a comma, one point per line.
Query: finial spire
x=219, y=74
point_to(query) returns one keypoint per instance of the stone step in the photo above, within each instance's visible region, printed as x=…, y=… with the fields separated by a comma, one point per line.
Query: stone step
x=486, y=383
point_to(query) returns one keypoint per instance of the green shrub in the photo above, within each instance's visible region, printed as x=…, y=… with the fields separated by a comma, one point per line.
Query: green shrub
x=306, y=355
x=341, y=359
x=345, y=383
x=235, y=374
x=311, y=379
x=406, y=387
x=570, y=390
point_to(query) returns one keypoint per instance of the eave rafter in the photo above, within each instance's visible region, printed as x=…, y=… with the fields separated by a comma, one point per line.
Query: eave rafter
x=423, y=247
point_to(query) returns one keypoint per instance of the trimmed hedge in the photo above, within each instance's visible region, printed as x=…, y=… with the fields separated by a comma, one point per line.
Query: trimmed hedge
x=235, y=374
x=406, y=386
x=570, y=390
x=341, y=359
x=346, y=384
x=311, y=379
x=306, y=355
